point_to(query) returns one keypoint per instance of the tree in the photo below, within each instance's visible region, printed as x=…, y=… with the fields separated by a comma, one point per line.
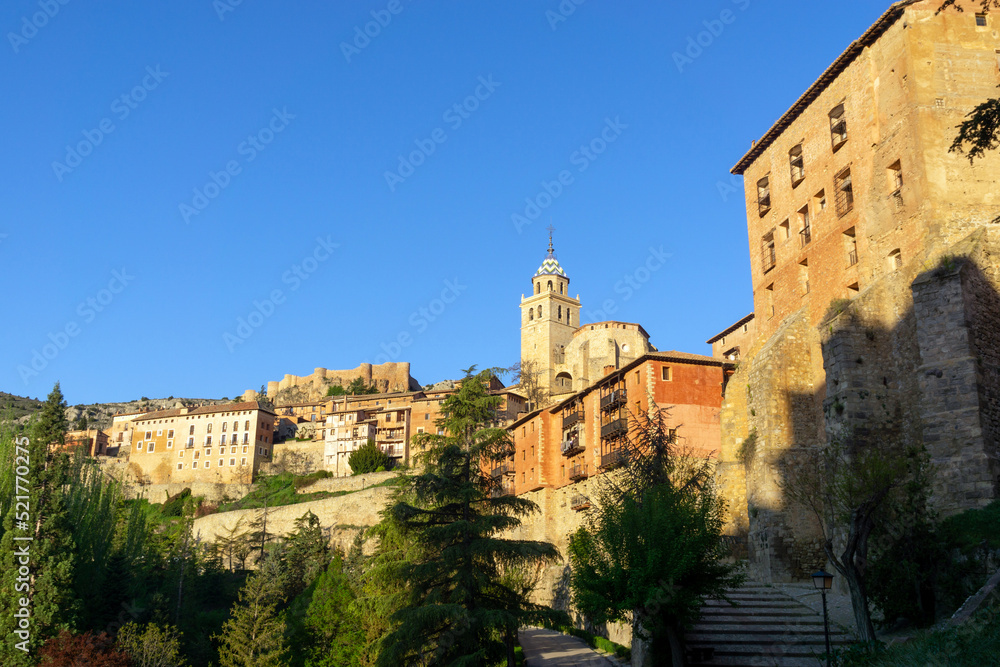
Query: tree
x=254, y=635
x=458, y=611
x=152, y=645
x=69, y=650
x=358, y=386
x=82, y=424
x=335, y=390
x=52, y=424
x=652, y=549
x=337, y=636
x=368, y=458
x=304, y=554
x=849, y=486
x=527, y=373
x=980, y=131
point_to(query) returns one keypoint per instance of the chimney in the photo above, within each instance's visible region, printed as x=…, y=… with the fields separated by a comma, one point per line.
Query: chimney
x=608, y=370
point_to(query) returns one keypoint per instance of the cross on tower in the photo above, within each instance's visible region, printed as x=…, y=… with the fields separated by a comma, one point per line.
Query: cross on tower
x=550, y=229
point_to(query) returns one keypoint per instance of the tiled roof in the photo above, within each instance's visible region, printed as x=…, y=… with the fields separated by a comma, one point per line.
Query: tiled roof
x=551, y=267
x=206, y=410
x=732, y=328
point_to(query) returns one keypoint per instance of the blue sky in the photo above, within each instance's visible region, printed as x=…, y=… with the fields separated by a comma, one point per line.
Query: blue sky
x=170, y=168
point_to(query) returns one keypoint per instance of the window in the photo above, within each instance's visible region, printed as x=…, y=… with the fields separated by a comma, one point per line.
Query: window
x=981, y=20
x=159, y=433
x=851, y=242
x=895, y=174
x=246, y=425
x=804, y=276
x=797, y=165
x=224, y=425
x=138, y=445
x=539, y=312
x=559, y=316
x=805, y=229
x=244, y=449
x=222, y=441
x=232, y=462
x=531, y=313
x=236, y=426
x=538, y=288
x=149, y=435
x=232, y=450
x=838, y=127
x=191, y=430
x=819, y=201
x=852, y=290
x=763, y=196
x=845, y=193
x=243, y=462
x=550, y=285
x=180, y=466
x=190, y=442
x=768, y=256
x=222, y=462
x=152, y=446
x=560, y=288
x=208, y=452
x=208, y=428
x=170, y=433
x=170, y=444
x=208, y=464
x=666, y=373
x=208, y=440
x=568, y=316
x=785, y=230
x=246, y=438
x=895, y=260
x=180, y=454
x=769, y=296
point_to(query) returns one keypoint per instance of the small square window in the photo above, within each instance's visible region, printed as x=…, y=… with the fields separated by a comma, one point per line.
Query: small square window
x=194, y=464
x=667, y=374
x=981, y=20
x=170, y=444
x=243, y=462
x=180, y=466
x=232, y=462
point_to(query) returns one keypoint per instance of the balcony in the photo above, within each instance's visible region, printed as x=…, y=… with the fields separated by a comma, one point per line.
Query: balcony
x=613, y=400
x=805, y=236
x=503, y=469
x=612, y=459
x=579, y=502
x=852, y=258
x=503, y=490
x=615, y=429
x=571, y=447
x=571, y=419
x=578, y=472
x=769, y=259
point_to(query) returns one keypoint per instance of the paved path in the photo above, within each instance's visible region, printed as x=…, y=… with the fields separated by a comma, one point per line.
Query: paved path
x=547, y=648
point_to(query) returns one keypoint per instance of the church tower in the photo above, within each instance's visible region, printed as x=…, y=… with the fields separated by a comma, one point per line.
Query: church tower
x=548, y=319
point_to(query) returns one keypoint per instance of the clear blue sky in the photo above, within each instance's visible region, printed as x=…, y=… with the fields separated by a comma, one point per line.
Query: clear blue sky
x=197, y=86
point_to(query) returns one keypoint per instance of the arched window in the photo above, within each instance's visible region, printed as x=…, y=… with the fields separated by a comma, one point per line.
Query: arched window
x=550, y=285
x=531, y=313
x=539, y=312
x=560, y=313
x=568, y=318
x=538, y=288
x=560, y=288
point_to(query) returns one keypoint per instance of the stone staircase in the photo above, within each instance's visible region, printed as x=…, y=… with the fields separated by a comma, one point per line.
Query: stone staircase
x=766, y=628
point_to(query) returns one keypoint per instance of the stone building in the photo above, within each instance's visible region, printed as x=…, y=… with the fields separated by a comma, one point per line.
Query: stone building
x=735, y=339
x=565, y=356
x=93, y=442
x=874, y=277
x=217, y=444
x=580, y=436
x=388, y=378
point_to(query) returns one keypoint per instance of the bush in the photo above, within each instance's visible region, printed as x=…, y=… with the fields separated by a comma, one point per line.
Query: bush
x=311, y=478
x=368, y=459
x=174, y=506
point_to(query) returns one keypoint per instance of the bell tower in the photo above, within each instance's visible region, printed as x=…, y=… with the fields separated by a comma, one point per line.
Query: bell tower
x=549, y=316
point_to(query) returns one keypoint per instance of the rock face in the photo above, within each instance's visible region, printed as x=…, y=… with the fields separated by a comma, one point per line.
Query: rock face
x=99, y=415
x=388, y=377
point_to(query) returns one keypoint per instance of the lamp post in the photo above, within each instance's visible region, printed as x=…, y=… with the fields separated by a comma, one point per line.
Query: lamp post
x=824, y=582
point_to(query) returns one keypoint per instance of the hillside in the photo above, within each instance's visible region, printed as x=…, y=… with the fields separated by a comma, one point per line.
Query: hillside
x=99, y=415
x=20, y=405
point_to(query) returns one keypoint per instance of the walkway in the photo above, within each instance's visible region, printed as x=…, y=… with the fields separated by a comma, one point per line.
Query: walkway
x=547, y=648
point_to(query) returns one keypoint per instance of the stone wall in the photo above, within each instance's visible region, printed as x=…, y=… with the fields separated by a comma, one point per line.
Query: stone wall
x=388, y=377
x=300, y=458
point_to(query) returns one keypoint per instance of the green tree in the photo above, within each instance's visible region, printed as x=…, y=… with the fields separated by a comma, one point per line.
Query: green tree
x=358, y=386
x=458, y=610
x=335, y=390
x=304, y=554
x=652, y=550
x=336, y=634
x=152, y=645
x=254, y=635
x=368, y=458
x=82, y=424
x=49, y=585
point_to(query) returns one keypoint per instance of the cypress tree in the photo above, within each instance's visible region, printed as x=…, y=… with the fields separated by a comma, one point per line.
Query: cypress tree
x=458, y=609
x=254, y=635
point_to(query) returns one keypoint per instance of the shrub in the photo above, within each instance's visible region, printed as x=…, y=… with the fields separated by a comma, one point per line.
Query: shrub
x=311, y=478
x=368, y=458
x=174, y=506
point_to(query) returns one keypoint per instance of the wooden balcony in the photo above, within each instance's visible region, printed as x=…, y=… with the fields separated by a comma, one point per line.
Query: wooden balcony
x=502, y=470
x=571, y=419
x=578, y=472
x=612, y=459
x=579, y=502
x=613, y=400
x=616, y=428
x=571, y=447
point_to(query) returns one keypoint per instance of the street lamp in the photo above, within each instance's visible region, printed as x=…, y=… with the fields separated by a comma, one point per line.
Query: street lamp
x=824, y=582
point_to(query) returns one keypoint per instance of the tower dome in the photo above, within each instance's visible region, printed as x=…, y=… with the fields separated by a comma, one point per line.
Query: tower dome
x=550, y=266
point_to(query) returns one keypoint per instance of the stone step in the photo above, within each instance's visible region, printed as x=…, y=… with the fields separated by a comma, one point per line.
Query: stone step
x=754, y=604
x=758, y=661
x=755, y=628
x=741, y=639
x=772, y=614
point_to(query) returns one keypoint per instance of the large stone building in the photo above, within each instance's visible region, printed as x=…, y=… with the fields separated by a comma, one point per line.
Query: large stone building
x=564, y=356
x=214, y=443
x=873, y=255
